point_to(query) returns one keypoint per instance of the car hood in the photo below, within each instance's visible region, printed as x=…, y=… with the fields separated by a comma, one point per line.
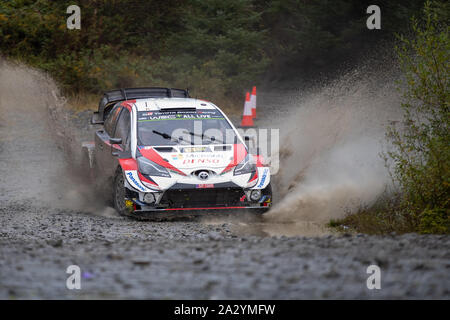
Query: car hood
x=188, y=158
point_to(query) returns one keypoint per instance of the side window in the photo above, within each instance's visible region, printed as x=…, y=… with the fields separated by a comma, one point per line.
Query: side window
x=123, y=129
x=111, y=120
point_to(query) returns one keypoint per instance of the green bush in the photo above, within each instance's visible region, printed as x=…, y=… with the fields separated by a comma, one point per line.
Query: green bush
x=421, y=145
x=434, y=221
x=419, y=160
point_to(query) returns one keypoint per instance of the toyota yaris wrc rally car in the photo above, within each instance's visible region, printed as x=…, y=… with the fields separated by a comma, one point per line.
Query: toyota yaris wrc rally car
x=159, y=150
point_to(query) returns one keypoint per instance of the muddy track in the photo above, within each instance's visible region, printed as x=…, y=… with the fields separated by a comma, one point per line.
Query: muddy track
x=46, y=224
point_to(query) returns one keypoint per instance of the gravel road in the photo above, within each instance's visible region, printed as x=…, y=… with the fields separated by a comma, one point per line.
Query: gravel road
x=45, y=226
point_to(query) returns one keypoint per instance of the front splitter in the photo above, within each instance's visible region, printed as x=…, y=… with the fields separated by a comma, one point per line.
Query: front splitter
x=196, y=211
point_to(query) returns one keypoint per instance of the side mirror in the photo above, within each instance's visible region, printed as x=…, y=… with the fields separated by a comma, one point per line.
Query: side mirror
x=96, y=119
x=250, y=142
x=115, y=140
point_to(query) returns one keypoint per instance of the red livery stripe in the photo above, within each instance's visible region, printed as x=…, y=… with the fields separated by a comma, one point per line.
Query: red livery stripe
x=238, y=155
x=259, y=160
x=128, y=164
x=255, y=176
x=206, y=208
x=155, y=157
x=128, y=104
x=144, y=179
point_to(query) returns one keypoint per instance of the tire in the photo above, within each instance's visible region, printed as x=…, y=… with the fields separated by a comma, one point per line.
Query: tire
x=119, y=195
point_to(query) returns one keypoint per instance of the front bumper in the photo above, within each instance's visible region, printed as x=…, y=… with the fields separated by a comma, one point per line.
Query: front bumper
x=176, y=213
x=184, y=198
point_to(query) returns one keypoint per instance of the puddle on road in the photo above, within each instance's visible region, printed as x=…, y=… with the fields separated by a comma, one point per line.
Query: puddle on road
x=269, y=229
x=272, y=229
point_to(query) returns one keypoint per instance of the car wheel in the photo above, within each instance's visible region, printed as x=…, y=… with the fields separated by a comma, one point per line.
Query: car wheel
x=119, y=195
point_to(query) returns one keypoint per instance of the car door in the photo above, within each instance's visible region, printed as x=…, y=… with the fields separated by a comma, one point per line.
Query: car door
x=105, y=161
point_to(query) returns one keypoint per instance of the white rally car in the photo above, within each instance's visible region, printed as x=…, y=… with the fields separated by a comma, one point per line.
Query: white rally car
x=162, y=151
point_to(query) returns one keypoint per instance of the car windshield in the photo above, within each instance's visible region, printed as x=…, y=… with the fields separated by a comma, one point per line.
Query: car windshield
x=184, y=127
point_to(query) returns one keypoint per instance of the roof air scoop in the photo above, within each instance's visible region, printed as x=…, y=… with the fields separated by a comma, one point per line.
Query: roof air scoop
x=176, y=104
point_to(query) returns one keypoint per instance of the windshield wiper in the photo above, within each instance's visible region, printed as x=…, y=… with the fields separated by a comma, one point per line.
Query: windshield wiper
x=169, y=137
x=203, y=136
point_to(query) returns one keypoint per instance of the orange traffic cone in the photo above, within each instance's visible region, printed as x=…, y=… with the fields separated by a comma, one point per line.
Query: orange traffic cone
x=247, y=118
x=253, y=102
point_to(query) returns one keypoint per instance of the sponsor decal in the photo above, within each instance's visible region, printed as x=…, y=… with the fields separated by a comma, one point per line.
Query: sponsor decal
x=195, y=149
x=133, y=179
x=204, y=155
x=179, y=115
x=177, y=156
x=263, y=178
x=204, y=185
x=201, y=161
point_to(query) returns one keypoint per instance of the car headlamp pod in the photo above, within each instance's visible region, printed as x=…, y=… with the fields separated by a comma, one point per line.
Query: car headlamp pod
x=247, y=165
x=151, y=168
x=255, y=195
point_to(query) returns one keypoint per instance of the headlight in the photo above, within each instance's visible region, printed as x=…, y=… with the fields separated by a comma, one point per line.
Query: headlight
x=149, y=197
x=152, y=169
x=255, y=195
x=246, y=166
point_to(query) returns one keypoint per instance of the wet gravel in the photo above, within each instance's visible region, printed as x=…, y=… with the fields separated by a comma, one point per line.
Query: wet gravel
x=122, y=258
x=190, y=259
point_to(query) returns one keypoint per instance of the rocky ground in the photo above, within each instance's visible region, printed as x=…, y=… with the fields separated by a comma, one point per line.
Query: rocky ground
x=45, y=227
x=120, y=258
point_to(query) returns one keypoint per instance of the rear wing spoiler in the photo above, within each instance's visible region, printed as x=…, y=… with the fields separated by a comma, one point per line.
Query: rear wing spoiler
x=112, y=97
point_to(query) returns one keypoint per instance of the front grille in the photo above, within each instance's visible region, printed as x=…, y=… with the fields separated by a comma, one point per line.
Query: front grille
x=191, y=198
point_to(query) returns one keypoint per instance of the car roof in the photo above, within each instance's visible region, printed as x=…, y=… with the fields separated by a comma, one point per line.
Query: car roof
x=160, y=104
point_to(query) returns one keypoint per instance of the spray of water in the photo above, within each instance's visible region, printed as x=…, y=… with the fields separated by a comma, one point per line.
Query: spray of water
x=331, y=137
x=29, y=157
x=39, y=144
x=331, y=143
